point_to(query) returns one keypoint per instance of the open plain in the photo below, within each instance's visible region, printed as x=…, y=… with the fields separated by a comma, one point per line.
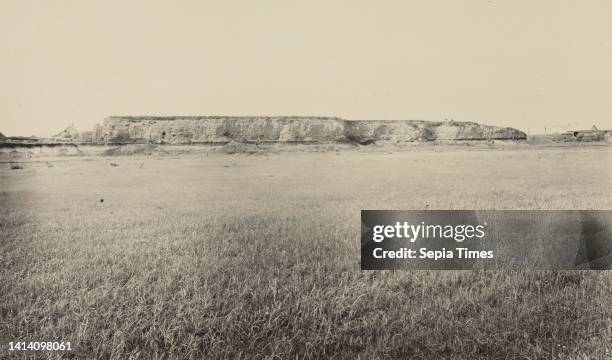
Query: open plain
x=226, y=255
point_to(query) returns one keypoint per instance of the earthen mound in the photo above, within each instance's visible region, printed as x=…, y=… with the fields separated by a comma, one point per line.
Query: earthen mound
x=288, y=129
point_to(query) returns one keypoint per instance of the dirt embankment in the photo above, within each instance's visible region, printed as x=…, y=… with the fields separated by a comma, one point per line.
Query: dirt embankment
x=143, y=135
x=294, y=129
x=28, y=150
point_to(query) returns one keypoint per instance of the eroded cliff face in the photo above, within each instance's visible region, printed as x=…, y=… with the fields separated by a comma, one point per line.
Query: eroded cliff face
x=295, y=129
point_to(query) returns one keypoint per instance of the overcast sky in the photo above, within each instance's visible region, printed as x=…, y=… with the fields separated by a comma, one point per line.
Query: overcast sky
x=520, y=63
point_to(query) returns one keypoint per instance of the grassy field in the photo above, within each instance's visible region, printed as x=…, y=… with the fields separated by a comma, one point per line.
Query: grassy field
x=228, y=256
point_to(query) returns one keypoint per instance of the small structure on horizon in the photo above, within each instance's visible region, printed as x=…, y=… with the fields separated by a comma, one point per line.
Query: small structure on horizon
x=593, y=134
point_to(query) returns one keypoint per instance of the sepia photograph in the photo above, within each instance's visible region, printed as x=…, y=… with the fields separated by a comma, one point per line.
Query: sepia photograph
x=306, y=179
